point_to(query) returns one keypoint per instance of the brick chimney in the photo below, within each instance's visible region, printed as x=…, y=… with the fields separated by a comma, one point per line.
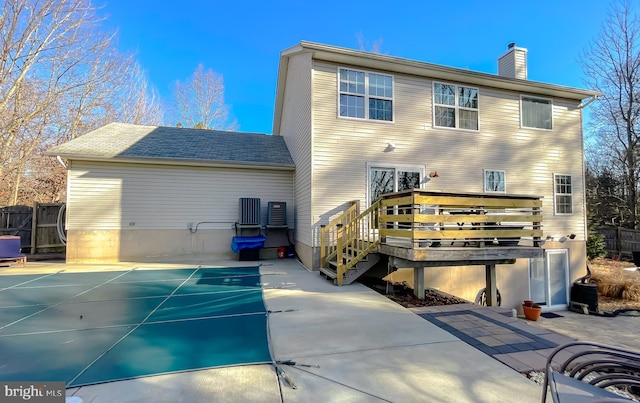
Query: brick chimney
x=513, y=63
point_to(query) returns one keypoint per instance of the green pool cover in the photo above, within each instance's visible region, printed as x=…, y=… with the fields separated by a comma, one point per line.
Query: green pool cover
x=87, y=328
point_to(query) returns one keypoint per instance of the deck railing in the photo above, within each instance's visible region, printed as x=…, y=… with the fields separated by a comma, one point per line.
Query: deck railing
x=421, y=219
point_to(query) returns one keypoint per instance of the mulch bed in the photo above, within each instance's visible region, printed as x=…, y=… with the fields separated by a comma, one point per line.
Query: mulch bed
x=404, y=295
x=431, y=298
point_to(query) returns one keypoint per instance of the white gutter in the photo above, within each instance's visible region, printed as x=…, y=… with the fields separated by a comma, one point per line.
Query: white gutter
x=182, y=162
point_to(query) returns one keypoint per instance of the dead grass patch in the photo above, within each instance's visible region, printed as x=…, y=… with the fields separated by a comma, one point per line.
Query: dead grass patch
x=623, y=289
x=617, y=288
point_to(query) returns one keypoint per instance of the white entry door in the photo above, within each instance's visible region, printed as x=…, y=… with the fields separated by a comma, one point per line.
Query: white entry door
x=549, y=279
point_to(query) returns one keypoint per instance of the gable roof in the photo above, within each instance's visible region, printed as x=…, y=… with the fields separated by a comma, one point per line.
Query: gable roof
x=367, y=60
x=121, y=142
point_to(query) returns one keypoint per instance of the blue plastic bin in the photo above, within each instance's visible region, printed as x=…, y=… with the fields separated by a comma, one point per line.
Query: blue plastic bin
x=247, y=242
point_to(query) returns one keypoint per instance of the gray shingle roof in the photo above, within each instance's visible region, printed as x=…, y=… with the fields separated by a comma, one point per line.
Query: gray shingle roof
x=121, y=141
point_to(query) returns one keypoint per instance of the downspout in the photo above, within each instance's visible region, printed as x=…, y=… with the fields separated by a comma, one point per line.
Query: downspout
x=584, y=195
x=59, y=158
x=60, y=225
x=589, y=101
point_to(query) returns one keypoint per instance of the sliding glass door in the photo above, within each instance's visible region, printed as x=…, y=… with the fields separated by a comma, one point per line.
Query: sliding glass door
x=392, y=179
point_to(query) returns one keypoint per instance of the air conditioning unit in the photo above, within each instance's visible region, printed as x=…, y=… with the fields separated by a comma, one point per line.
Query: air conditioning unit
x=277, y=214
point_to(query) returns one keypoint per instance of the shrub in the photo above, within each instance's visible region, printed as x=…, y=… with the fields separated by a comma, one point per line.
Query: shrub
x=596, y=247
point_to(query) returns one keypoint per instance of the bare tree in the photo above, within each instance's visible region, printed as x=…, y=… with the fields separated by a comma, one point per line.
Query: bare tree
x=612, y=66
x=199, y=102
x=375, y=47
x=60, y=75
x=142, y=105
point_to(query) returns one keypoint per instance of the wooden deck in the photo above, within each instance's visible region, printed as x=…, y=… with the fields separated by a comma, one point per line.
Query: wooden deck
x=437, y=228
x=461, y=255
x=420, y=229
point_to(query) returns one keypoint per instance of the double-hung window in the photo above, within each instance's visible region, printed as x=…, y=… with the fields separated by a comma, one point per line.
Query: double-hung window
x=494, y=181
x=536, y=112
x=455, y=106
x=563, y=198
x=365, y=95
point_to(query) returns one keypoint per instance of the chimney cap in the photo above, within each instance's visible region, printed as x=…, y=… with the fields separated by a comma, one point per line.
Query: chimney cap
x=511, y=45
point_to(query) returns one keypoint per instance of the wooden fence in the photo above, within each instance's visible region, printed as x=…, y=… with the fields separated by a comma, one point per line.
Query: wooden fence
x=35, y=225
x=620, y=241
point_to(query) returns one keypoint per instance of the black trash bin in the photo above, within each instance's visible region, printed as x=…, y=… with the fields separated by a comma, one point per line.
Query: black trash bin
x=636, y=258
x=586, y=293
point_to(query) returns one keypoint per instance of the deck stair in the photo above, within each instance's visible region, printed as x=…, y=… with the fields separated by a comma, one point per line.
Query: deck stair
x=354, y=272
x=347, y=243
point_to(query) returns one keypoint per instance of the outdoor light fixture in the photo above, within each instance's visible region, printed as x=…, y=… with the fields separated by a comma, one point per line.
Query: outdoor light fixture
x=434, y=174
x=390, y=147
x=562, y=239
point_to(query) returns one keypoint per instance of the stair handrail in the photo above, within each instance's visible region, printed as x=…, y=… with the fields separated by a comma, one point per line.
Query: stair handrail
x=356, y=239
x=329, y=232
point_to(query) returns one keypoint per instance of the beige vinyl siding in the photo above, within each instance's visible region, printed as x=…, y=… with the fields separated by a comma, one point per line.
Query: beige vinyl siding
x=296, y=129
x=513, y=64
x=140, y=196
x=343, y=147
x=93, y=198
x=506, y=66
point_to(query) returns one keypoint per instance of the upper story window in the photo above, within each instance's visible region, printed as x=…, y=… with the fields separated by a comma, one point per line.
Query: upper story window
x=455, y=106
x=536, y=113
x=494, y=181
x=563, y=194
x=365, y=95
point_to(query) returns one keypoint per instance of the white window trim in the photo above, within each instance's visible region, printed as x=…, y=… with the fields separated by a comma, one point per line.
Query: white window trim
x=484, y=180
x=433, y=107
x=395, y=167
x=555, y=206
x=366, y=96
x=522, y=126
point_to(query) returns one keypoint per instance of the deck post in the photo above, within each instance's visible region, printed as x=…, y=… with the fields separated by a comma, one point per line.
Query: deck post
x=418, y=282
x=491, y=290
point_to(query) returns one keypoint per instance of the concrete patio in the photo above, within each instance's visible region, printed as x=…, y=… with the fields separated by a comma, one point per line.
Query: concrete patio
x=367, y=348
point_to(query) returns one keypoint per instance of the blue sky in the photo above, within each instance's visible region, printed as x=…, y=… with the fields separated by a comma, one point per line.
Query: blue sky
x=242, y=40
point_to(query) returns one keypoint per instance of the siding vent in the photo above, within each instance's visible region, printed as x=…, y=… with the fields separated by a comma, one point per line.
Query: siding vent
x=513, y=63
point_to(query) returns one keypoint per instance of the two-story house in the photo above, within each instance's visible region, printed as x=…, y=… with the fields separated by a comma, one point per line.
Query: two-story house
x=350, y=126
x=360, y=124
